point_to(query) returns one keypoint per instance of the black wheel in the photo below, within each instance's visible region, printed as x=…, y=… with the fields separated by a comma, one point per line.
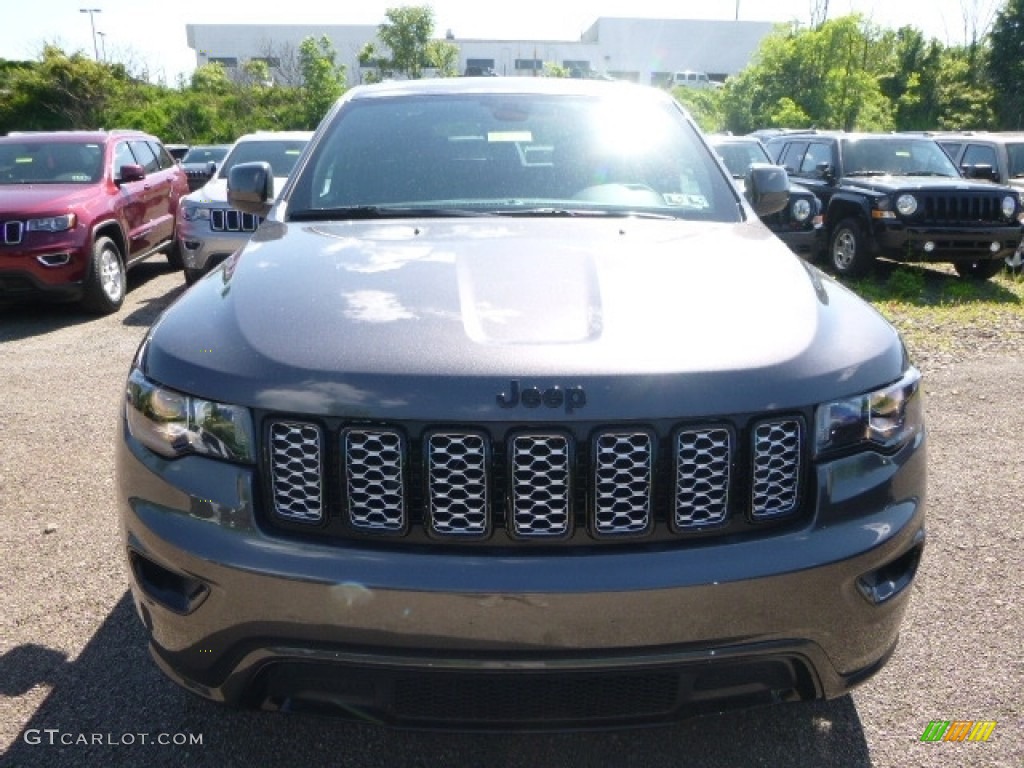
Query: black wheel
x=847, y=249
x=980, y=270
x=1015, y=263
x=192, y=275
x=105, y=283
x=174, y=255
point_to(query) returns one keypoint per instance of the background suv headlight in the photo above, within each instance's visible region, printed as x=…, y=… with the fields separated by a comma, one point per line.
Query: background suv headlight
x=906, y=205
x=173, y=424
x=60, y=223
x=801, y=209
x=193, y=212
x=887, y=418
x=1009, y=206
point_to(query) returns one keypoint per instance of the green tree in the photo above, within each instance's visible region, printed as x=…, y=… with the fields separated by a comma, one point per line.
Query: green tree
x=323, y=81
x=1006, y=65
x=443, y=57
x=406, y=45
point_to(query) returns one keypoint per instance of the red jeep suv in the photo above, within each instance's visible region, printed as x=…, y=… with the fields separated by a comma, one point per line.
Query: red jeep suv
x=78, y=208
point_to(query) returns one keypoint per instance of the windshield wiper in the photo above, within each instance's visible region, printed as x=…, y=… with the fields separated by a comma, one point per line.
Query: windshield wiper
x=926, y=173
x=868, y=173
x=580, y=212
x=380, y=212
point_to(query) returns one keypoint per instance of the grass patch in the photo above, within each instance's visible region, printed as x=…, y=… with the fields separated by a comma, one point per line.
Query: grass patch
x=937, y=311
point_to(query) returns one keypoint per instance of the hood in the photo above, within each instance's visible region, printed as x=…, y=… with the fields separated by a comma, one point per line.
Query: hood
x=439, y=316
x=30, y=198
x=920, y=183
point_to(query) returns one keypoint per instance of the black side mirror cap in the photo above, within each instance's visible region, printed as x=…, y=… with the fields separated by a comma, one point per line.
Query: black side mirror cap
x=251, y=188
x=767, y=188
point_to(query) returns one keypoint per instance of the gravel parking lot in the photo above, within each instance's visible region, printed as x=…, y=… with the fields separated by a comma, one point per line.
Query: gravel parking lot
x=77, y=687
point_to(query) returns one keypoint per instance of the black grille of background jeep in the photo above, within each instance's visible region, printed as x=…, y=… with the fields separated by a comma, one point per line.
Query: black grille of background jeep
x=961, y=208
x=534, y=484
x=230, y=220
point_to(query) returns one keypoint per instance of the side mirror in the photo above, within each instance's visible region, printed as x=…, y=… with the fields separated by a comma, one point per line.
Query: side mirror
x=251, y=188
x=827, y=172
x=981, y=171
x=131, y=172
x=767, y=188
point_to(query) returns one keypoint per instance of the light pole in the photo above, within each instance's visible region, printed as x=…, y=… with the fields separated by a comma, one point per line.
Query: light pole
x=92, y=24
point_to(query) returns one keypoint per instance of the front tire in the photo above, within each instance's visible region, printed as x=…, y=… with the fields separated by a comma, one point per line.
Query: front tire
x=193, y=275
x=979, y=270
x=174, y=255
x=105, y=283
x=847, y=249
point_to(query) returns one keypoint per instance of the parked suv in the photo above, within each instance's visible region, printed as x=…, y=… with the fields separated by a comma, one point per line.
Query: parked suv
x=200, y=163
x=210, y=230
x=998, y=157
x=79, y=208
x=799, y=224
x=901, y=197
x=513, y=413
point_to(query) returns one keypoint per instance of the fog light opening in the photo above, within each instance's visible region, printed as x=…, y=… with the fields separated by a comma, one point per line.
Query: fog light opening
x=885, y=583
x=54, y=259
x=994, y=247
x=929, y=247
x=176, y=592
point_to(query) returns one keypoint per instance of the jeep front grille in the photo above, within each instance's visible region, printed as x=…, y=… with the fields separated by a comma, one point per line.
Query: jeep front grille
x=13, y=231
x=230, y=220
x=537, y=485
x=962, y=208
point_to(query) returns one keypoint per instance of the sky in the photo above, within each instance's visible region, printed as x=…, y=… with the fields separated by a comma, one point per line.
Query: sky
x=148, y=36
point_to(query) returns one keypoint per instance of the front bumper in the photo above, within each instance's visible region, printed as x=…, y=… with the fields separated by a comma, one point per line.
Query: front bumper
x=202, y=249
x=403, y=634
x=803, y=242
x=908, y=243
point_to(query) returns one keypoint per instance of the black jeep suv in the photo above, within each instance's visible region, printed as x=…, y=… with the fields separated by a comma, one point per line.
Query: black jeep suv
x=512, y=413
x=901, y=197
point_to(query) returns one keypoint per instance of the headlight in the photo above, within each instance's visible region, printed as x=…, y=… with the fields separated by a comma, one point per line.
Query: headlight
x=887, y=418
x=173, y=424
x=906, y=205
x=194, y=212
x=1009, y=206
x=801, y=209
x=60, y=223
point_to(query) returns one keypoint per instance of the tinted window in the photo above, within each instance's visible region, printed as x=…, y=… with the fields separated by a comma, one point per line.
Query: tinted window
x=205, y=155
x=978, y=154
x=738, y=156
x=792, y=155
x=502, y=152
x=1015, y=158
x=817, y=154
x=162, y=155
x=144, y=156
x=122, y=156
x=280, y=153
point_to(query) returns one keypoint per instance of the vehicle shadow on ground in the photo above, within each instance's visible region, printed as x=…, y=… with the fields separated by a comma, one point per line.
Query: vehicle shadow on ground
x=27, y=318
x=102, y=705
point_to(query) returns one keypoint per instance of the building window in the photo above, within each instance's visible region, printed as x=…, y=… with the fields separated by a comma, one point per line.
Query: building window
x=270, y=61
x=480, y=63
x=574, y=65
x=535, y=64
x=230, y=62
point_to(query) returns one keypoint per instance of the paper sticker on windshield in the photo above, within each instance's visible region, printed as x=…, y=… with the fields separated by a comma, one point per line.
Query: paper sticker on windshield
x=522, y=136
x=682, y=200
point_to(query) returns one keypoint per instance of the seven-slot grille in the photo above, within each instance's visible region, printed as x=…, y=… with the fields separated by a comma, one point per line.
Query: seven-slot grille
x=463, y=474
x=962, y=208
x=230, y=220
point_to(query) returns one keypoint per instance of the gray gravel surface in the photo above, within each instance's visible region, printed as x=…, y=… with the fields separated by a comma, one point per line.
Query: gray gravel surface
x=73, y=664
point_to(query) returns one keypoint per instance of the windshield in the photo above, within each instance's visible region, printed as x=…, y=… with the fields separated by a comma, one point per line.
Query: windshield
x=897, y=157
x=51, y=163
x=739, y=155
x=514, y=154
x=280, y=153
x=205, y=155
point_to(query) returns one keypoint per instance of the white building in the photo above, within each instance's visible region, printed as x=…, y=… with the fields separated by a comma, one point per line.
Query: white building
x=642, y=50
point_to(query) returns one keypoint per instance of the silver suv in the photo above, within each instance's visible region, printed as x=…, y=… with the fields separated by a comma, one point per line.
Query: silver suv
x=209, y=230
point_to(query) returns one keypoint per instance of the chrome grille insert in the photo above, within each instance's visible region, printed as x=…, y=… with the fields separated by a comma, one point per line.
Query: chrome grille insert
x=296, y=470
x=230, y=220
x=622, y=482
x=702, y=462
x=13, y=232
x=457, y=483
x=540, y=485
x=776, y=477
x=373, y=479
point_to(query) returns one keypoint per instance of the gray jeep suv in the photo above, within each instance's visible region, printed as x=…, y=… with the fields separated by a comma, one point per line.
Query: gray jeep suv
x=513, y=414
